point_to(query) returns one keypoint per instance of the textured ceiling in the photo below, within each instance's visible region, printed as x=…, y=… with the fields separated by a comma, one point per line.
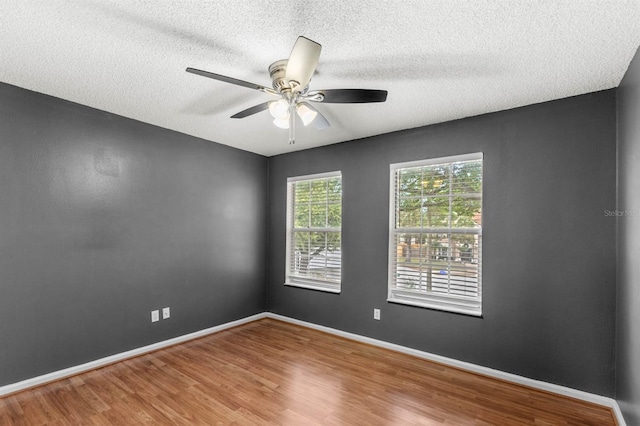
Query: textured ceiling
x=439, y=60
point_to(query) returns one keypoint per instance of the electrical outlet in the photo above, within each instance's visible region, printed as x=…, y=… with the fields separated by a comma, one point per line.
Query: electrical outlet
x=155, y=316
x=376, y=314
x=166, y=313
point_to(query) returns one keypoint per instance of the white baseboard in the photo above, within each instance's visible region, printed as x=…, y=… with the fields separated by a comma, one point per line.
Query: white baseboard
x=536, y=384
x=618, y=414
x=72, y=371
x=513, y=378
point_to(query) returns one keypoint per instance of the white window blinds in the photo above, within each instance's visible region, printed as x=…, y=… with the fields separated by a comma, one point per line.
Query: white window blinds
x=435, y=239
x=314, y=224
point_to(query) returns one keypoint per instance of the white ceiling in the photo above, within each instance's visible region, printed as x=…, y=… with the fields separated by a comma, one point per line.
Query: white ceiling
x=439, y=60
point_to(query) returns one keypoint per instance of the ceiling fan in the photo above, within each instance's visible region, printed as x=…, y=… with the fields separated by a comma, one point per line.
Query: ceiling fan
x=290, y=80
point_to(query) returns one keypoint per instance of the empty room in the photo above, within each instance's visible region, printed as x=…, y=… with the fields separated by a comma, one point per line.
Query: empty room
x=330, y=213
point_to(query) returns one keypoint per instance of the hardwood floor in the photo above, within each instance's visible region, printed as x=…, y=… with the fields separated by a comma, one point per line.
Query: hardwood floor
x=271, y=372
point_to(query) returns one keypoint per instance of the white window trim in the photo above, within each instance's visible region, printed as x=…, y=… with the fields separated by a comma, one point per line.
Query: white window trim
x=303, y=282
x=455, y=304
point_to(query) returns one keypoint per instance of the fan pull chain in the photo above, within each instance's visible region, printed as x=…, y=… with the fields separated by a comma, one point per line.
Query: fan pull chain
x=292, y=122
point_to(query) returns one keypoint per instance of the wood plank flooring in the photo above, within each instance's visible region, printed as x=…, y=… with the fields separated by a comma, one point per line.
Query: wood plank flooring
x=272, y=372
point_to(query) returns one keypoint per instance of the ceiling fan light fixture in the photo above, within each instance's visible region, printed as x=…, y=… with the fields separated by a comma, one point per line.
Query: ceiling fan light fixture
x=306, y=114
x=282, y=123
x=279, y=109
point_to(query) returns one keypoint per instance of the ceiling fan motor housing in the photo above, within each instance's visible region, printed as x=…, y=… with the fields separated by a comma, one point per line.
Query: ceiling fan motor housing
x=277, y=71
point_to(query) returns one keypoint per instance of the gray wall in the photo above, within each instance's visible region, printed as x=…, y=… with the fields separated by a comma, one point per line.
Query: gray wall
x=628, y=326
x=549, y=250
x=103, y=219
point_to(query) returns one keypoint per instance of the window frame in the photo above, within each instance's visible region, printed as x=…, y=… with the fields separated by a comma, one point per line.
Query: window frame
x=305, y=282
x=448, y=303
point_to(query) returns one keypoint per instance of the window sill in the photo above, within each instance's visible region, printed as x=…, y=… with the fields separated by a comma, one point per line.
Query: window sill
x=440, y=306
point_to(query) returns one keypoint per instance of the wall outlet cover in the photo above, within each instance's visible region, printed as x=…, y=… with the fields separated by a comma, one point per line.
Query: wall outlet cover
x=155, y=316
x=166, y=313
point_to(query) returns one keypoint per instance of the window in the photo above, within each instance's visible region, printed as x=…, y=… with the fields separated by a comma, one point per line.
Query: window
x=314, y=223
x=435, y=238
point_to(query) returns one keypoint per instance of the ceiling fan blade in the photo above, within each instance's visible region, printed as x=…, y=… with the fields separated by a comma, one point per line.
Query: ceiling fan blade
x=319, y=122
x=302, y=62
x=231, y=80
x=347, y=96
x=253, y=110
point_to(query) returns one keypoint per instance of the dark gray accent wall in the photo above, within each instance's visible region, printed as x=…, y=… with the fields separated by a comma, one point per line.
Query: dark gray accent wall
x=628, y=309
x=549, y=250
x=103, y=219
